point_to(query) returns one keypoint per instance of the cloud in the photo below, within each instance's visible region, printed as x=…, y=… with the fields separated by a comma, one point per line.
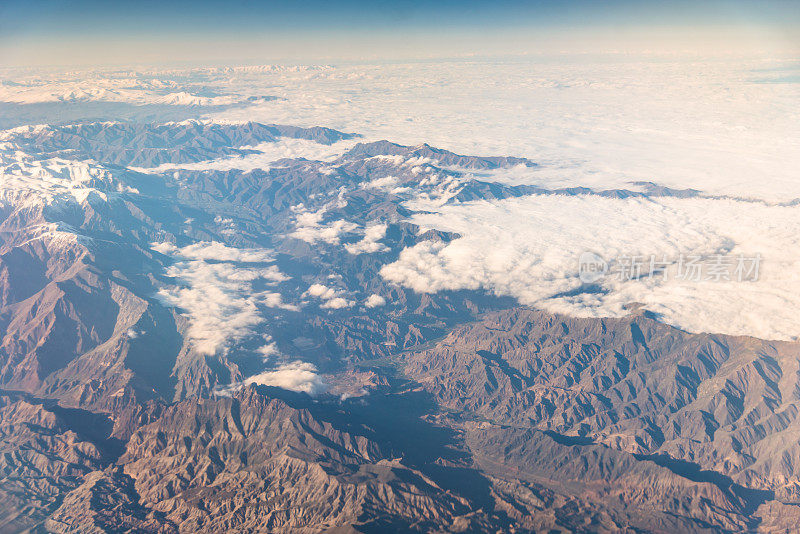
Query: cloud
x=682, y=123
x=327, y=234
x=309, y=227
x=219, y=297
x=331, y=297
x=321, y=291
x=275, y=300
x=529, y=248
x=269, y=349
x=370, y=243
x=387, y=182
x=214, y=250
x=295, y=376
x=375, y=301
x=336, y=303
x=265, y=156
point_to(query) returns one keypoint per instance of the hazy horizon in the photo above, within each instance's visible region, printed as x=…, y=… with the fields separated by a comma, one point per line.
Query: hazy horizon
x=88, y=32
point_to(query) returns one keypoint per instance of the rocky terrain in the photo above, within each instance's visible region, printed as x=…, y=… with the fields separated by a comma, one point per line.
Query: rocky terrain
x=195, y=340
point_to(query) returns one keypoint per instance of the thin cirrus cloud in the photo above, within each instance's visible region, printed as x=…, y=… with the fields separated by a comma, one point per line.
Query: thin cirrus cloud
x=217, y=293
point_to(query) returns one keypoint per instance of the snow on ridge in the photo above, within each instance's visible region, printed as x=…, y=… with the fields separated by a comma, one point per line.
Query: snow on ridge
x=187, y=99
x=134, y=86
x=25, y=179
x=136, y=92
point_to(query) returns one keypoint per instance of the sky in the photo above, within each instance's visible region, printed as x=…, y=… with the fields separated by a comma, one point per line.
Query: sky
x=79, y=32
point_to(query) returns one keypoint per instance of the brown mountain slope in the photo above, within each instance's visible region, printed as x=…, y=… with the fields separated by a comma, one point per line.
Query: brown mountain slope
x=728, y=404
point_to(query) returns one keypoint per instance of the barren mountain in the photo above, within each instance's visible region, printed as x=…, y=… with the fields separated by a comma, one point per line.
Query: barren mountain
x=196, y=340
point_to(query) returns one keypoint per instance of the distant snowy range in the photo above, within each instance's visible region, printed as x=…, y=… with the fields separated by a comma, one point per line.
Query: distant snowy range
x=559, y=273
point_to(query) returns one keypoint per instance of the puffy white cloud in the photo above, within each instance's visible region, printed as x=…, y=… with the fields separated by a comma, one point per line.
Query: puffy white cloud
x=218, y=297
x=336, y=303
x=529, y=248
x=329, y=233
x=375, y=301
x=331, y=297
x=295, y=376
x=274, y=300
x=309, y=227
x=387, y=182
x=269, y=349
x=321, y=291
x=371, y=241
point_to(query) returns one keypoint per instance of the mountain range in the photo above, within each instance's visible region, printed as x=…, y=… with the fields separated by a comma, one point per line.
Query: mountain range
x=193, y=342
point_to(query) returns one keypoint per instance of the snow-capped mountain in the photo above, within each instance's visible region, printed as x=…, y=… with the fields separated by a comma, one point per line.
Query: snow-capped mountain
x=199, y=336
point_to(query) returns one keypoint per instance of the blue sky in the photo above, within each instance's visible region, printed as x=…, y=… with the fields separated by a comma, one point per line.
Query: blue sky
x=58, y=31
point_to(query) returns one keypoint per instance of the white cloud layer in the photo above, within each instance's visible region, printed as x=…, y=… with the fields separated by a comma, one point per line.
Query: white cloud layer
x=214, y=250
x=219, y=298
x=682, y=122
x=529, y=248
x=268, y=154
x=679, y=121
